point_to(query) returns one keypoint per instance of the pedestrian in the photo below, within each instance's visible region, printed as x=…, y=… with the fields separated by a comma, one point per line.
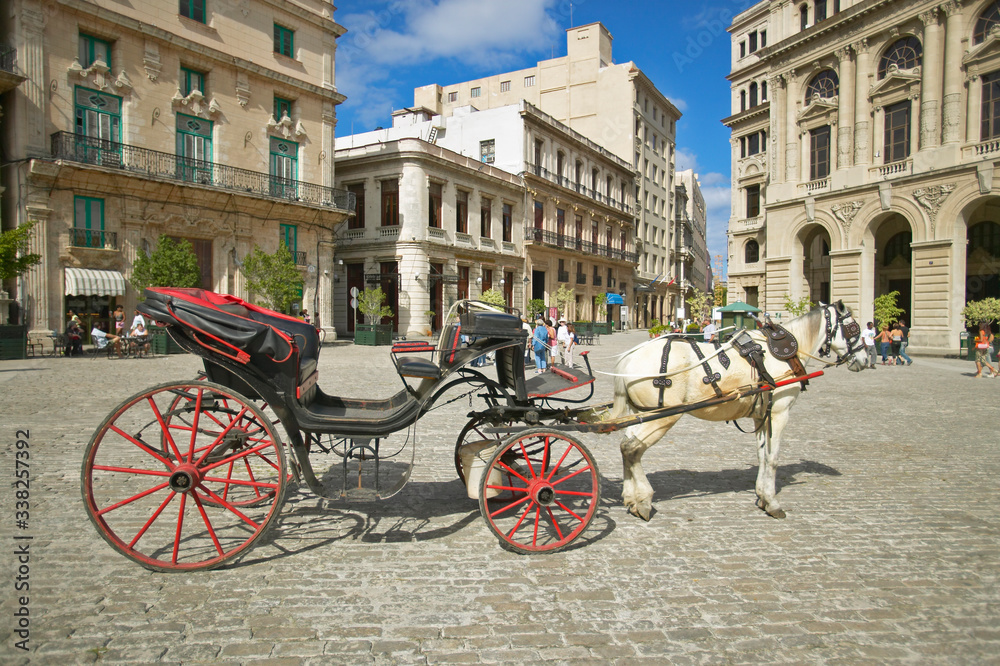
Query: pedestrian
x=563, y=340
x=305, y=315
x=901, y=325
x=120, y=320
x=868, y=336
x=528, y=332
x=573, y=341
x=711, y=331
x=885, y=340
x=540, y=342
x=984, y=349
x=550, y=325
x=897, y=344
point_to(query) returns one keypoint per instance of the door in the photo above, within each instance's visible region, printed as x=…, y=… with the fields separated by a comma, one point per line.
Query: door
x=98, y=127
x=284, y=168
x=194, y=149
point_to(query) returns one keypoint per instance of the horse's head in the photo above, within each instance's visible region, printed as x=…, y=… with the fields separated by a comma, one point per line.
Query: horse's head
x=843, y=337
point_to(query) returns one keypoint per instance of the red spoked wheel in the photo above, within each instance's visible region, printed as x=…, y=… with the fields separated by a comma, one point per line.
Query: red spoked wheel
x=540, y=490
x=184, y=476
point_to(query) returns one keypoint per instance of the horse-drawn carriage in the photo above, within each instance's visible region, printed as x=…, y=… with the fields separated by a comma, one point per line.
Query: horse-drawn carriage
x=191, y=474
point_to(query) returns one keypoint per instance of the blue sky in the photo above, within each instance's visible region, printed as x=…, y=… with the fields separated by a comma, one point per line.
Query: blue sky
x=394, y=46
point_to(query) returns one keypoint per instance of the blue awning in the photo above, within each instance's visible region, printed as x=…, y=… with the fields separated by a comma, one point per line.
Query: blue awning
x=615, y=299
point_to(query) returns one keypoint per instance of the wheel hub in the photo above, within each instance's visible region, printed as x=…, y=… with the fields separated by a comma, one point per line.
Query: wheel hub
x=184, y=479
x=544, y=493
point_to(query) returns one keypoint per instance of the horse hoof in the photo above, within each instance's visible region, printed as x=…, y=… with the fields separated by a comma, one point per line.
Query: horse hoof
x=642, y=510
x=776, y=513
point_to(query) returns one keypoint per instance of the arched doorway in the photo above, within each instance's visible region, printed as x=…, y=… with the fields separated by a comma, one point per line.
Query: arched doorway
x=982, y=252
x=816, y=243
x=894, y=262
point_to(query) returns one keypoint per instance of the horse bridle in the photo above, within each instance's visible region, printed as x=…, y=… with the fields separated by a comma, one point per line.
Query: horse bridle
x=849, y=328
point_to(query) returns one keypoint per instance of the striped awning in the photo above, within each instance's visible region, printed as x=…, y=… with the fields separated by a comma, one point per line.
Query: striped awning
x=93, y=282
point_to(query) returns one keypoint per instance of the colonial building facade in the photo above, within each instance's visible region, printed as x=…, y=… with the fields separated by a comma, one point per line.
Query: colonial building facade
x=690, y=224
x=211, y=122
x=618, y=108
x=509, y=199
x=865, y=135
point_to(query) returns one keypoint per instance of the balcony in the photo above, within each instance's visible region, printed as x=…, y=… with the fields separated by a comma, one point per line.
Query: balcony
x=581, y=278
x=9, y=77
x=100, y=240
x=598, y=281
x=299, y=257
x=552, y=239
x=147, y=163
x=818, y=185
x=891, y=170
x=563, y=276
x=580, y=188
x=748, y=225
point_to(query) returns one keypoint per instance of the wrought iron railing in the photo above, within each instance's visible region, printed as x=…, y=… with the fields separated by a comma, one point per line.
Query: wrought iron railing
x=299, y=257
x=152, y=163
x=563, y=276
x=553, y=239
x=102, y=240
x=581, y=278
x=564, y=181
x=8, y=57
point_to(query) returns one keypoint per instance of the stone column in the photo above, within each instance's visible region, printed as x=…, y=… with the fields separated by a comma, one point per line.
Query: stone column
x=952, y=108
x=845, y=107
x=791, y=135
x=42, y=313
x=862, y=149
x=932, y=286
x=31, y=138
x=930, y=80
x=975, y=101
x=845, y=278
x=776, y=89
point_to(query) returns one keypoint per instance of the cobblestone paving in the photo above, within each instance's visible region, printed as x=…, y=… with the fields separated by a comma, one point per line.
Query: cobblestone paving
x=889, y=553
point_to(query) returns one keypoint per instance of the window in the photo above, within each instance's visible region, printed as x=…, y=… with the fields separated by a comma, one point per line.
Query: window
x=357, y=221
x=820, y=10
x=92, y=49
x=990, y=118
x=462, y=212
x=819, y=153
x=505, y=86
x=983, y=235
x=284, y=168
x=476, y=92
x=763, y=38
x=904, y=53
x=898, y=246
x=194, y=149
x=487, y=279
x=594, y=235
x=803, y=17
x=763, y=91
x=508, y=223
x=988, y=19
x=743, y=100
x=452, y=97
x=753, y=94
x=529, y=81
x=88, y=222
x=753, y=42
x=753, y=144
x=192, y=80
x=463, y=282
x=485, y=218
x=751, y=252
x=487, y=151
x=98, y=116
x=289, y=235
x=560, y=223
x=390, y=203
x=897, y=132
x=753, y=200
x=193, y=9
x=743, y=49
x=824, y=85
x=284, y=41
x=282, y=108
x=434, y=205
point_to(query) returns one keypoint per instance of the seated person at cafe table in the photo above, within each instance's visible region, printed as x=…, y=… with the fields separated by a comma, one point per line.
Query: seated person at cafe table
x=101, y=339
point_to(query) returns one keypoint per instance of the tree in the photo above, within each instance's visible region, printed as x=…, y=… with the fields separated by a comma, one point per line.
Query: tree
x=601, y=307
x=14, y=257
x=720, y=293
x=987, y=310
x=536, y=307
x=885, y=308
x=564, y=296
x=172, y=264
x=370, y=302
x=799, y=307
x=494, y=297
x=699, y=302
x=272, y=278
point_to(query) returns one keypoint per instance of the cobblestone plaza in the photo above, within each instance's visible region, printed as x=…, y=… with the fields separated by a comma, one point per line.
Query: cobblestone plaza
x=888, y=554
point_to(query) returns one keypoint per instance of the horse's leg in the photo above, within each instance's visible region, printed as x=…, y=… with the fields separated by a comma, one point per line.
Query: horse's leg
x=637, y=494
x=767, y=458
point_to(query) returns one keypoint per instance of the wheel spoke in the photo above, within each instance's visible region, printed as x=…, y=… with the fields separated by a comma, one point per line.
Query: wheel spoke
x=131, y=470
x=180, y=526
x=149, y=522
x=132, y=499
x=570, y=476
x=163, y=426
x=569, y=510
x=559, y=464
x=527, y=459
x=229, y=506
x=208, y=524
x=555, y=523
x=524, y=514
x=510, y=506
x=142, y=445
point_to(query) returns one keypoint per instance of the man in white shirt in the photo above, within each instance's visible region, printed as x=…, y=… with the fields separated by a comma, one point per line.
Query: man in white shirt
x=710, y=331
x=868, y=335
x=563, y=340
x=101, y=339
x=136, y=321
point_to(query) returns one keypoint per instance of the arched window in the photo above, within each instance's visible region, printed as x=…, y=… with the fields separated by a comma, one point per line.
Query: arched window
x=904, y=54
x=804, y=16
x=989, y=19
x=751, y=252
x=898, y=246
x=986, y=236
x=763, y=91
x=743, y=100
x=825, y=84
x=753, y=94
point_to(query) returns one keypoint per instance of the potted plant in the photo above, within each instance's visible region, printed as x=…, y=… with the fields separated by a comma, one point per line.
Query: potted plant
x=371, y=304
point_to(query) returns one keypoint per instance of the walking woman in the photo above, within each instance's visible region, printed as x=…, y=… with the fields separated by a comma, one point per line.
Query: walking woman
x=984, y=348
x=540, y=343
x=885, y=340
x=897, y=344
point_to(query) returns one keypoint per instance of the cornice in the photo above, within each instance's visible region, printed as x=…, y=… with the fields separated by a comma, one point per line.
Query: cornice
x=751, y=113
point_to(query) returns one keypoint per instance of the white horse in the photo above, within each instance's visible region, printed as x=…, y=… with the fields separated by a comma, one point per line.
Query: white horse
x=820, y=331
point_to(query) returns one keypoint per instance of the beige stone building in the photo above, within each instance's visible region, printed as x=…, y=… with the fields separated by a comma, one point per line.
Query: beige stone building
x=617, y=107
x=691, y=245
x=506, y=198
x=865, y=135
x=208, y=121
